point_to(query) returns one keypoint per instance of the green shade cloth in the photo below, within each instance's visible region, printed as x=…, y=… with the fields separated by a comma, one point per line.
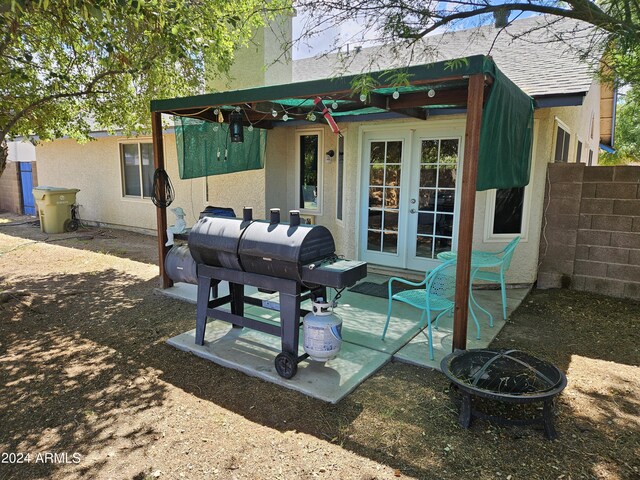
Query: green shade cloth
x=506, y=135
x=506, y=132
x=205, y=148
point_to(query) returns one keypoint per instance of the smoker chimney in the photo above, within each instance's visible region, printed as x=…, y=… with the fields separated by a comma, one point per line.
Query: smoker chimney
x=247, y=214
x=294, y=218
x=275, y=216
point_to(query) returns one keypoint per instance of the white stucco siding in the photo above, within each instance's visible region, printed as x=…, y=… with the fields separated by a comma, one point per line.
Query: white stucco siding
x=95, y=169
x=524, y=264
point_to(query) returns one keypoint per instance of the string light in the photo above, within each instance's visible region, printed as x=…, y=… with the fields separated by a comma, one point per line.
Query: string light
x=363, y=97
x=431, y=93
x=250, y=128
x=396, y=94
x=285, y=117
x=274, y=114
x=334, y=105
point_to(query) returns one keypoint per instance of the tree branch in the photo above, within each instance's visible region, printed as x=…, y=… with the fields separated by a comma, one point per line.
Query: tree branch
x=598, y=17
x=89, y=90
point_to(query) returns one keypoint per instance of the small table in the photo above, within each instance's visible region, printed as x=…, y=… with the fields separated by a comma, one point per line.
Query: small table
x=479, y=260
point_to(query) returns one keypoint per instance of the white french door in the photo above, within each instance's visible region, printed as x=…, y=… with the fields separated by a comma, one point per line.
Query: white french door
x=409, y=206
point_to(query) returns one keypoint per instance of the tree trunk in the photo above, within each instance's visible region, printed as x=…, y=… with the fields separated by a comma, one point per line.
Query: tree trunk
x=4, y=153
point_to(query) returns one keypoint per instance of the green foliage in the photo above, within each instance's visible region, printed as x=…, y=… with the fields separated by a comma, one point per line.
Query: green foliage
x=364, y=85
x=69, y=65
x=627, y=134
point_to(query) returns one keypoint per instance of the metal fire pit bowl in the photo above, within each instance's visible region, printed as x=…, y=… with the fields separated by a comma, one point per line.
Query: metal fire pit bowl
x=508, y=376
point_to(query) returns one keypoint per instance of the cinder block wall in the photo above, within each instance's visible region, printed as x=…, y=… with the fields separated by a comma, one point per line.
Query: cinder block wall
x=10, y=195
x=591, y=230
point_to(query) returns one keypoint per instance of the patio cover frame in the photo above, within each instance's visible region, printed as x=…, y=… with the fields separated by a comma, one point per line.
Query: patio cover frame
x=462, y=83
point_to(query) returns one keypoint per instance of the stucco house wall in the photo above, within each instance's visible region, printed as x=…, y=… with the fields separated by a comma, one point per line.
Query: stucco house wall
x=281, y=164
x=95, y=169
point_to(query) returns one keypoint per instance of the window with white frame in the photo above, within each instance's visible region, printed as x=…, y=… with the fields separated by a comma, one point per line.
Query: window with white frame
x=507, y=209
x=340, y=178
x=563, y=138
x=136, y=161
x=309, y=171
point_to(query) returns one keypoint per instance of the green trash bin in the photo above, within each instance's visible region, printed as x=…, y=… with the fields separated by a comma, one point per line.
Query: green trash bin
x=54, y=207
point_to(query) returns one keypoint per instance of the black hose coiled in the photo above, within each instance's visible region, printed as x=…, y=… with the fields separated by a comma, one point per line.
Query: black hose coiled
x=162, y=183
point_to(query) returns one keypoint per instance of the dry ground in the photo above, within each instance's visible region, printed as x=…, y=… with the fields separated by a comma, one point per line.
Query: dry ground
x=84, y=369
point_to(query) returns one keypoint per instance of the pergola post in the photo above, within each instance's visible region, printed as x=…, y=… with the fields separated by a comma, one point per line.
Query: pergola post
x=475, y=99
x=161, y=212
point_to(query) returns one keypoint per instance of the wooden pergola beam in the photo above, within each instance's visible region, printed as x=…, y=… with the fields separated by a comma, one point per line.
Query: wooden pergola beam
x=475, y=98
x=161, y=212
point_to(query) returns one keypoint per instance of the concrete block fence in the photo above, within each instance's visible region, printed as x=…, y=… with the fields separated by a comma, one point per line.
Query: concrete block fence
x=591, y=230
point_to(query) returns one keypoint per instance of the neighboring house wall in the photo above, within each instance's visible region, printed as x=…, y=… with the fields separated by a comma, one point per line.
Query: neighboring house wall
x=10, y=191
x=591, y=230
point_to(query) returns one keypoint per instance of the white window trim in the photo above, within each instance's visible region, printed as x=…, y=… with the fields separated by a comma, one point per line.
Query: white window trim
x=344, y=176
x=320, y=133
x=490, y=207
x=559, y=123
x=136, y=141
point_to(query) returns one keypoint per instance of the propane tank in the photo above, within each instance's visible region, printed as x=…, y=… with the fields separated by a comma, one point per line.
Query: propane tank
x=322, y=332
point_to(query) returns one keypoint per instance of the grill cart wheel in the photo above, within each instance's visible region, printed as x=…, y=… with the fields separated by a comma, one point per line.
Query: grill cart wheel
x=286, y=365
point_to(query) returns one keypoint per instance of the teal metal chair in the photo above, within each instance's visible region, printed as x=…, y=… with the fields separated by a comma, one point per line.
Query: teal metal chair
x=504, y=256
x=437, y=294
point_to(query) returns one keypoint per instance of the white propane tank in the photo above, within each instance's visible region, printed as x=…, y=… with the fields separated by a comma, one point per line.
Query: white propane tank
x=322, y=332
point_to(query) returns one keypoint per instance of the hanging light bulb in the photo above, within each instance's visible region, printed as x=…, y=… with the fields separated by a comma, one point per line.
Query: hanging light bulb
x=363, y=97
x=274, y=114
x=215, y=128
x=216, y=111
x=334, y=105
x=285, y=117
x=396, y=94
x=238, y=109
x=311, y=117
x=250, y=128
x=431, y=93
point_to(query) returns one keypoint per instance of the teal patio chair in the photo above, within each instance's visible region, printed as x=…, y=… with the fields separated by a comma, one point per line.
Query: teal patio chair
x=504, y=256
x=437, y=294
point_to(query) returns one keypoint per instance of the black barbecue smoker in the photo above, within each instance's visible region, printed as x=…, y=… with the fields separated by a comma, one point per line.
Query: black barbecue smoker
x=296, y=260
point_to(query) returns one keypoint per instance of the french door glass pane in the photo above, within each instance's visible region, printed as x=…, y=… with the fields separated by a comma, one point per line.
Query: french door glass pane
x=390, y=243
x=374, y=240
x=385, y=173
x=436, y=197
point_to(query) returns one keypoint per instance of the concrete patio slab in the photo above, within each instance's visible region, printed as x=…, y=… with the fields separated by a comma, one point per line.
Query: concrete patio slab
x=363, y=352
x=416, y=352
x=254, y=352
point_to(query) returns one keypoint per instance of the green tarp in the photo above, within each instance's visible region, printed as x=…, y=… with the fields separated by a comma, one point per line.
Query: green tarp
x=506, y=135
x=205, y=148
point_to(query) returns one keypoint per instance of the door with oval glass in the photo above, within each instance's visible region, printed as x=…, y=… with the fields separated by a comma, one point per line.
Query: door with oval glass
x=409, y=199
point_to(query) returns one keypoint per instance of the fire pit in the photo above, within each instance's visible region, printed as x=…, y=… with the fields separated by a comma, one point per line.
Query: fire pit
x=508, y=376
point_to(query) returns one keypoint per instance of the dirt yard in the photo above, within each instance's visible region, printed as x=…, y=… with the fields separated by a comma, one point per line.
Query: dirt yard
x=89, y=389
